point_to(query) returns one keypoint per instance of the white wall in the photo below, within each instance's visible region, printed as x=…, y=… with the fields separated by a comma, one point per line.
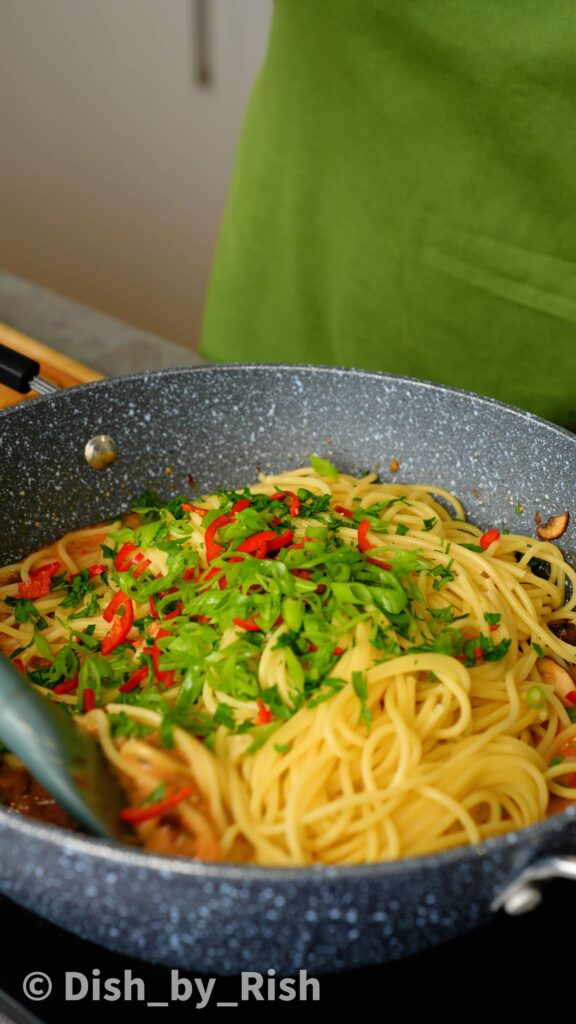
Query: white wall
x=114, y=161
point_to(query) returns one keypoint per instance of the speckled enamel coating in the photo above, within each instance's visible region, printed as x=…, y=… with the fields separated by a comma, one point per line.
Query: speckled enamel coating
x=219, y=424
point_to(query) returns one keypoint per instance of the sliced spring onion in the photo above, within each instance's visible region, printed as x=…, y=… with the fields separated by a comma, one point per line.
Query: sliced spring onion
x=535, y=697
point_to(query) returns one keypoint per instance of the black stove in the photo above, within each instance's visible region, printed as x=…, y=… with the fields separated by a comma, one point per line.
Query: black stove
x=504, y=964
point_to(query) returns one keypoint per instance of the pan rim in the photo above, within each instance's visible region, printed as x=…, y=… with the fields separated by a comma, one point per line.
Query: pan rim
x=314, y=368
x=531, y=837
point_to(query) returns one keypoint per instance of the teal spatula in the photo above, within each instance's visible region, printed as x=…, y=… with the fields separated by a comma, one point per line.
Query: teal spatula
x=61, y=755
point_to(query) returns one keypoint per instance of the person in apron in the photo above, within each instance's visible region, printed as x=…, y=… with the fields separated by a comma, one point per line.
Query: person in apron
x=404, y=198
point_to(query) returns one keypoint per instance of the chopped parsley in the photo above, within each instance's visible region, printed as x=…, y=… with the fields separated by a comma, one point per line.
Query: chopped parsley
x=360, y=686
x=26, y=611
x=157, y=794
x=76, y=588
x=42, y=646
x=285, y=578
x=122, y=726
x=224, y=715
x=442, y=575
x=492, y=618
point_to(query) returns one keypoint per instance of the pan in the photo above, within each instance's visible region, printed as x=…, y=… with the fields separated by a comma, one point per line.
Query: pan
x=210, y=427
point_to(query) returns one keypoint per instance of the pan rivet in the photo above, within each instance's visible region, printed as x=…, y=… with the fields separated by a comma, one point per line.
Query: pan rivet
x=522, y=900
x=100, y=451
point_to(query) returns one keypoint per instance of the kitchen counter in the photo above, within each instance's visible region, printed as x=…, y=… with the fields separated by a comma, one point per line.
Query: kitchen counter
x=108, y=345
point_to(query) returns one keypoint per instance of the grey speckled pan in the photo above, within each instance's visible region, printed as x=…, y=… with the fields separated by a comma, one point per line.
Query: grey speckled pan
x=219, y=424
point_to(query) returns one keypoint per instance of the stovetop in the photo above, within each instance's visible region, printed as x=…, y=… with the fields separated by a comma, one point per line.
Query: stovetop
x=506, y=960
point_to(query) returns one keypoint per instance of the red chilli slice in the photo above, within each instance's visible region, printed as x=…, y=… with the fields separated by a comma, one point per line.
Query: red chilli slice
x=264, y=716
x=488, y=538
x=213, y=549
x=88, y=700
x=256, y=542
x=92, y=570
x=121, y=624
x=143, y=564
x=294, y=505
x=195, y=508
x=137, y=814
x=248, y=624
x=365, y=545
x=164, y=593
x=263, y=543
x=293, y=501
x=116, y=602
x=280, y=541
x=125, y=557
x=363, y=542
x=135, y=679
x=300, y=543
x=166, y=678
x=39, y=583
x=208, y=574
x=174, y=613
x=381, y=565
x=130, y=555
x=68, y=686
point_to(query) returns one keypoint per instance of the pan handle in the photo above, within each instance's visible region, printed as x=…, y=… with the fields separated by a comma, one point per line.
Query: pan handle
x=21, y=374
x=524, y=893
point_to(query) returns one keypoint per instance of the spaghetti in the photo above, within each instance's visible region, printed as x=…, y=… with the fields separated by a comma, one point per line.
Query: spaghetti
x=319, y=668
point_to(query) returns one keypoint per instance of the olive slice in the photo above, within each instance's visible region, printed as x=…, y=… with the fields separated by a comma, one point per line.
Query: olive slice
x=564, y=629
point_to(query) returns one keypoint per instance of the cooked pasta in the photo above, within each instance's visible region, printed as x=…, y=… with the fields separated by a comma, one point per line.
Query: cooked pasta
x=319, y=668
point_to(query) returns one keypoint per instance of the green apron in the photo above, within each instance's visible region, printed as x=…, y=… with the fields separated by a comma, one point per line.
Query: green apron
x=404, y=198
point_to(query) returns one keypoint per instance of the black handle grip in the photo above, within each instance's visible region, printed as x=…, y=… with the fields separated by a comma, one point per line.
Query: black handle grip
x=16, y=371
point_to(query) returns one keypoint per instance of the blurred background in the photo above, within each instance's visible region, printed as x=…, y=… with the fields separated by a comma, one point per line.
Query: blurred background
x=119, y=123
